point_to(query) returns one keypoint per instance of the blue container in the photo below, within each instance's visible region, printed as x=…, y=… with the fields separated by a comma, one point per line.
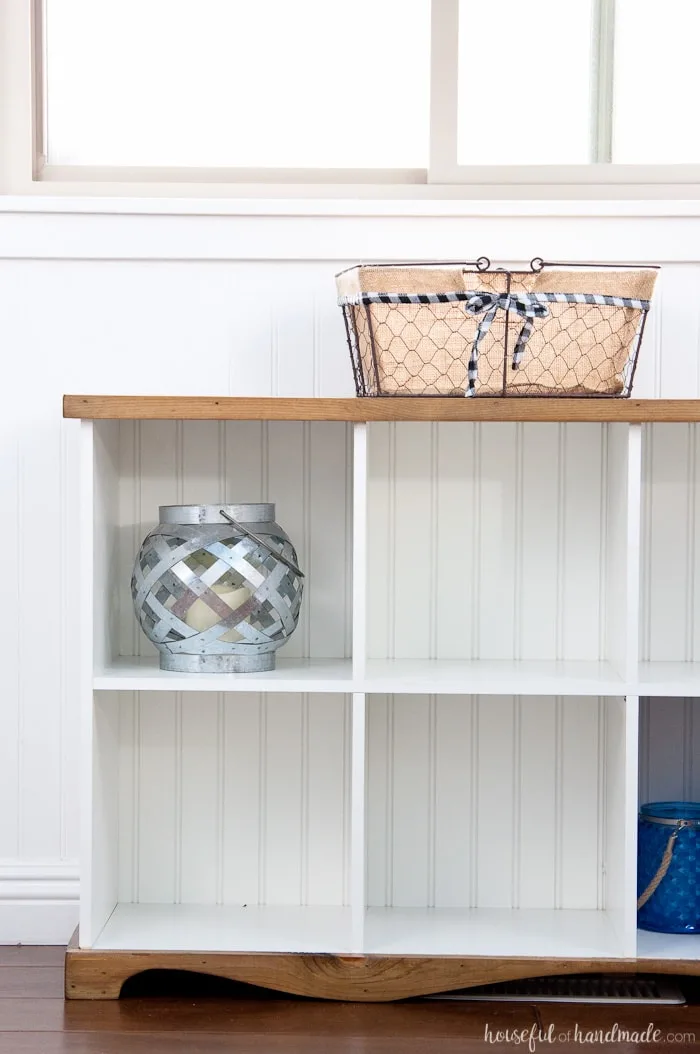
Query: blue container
x=674, y=906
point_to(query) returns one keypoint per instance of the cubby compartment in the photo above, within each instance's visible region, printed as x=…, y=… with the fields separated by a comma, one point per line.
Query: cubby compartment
x=669, y=642
x=220, y=822
x=305, y=468
x=500, y=826
x=669, y=770
x=448, y=761
x=502, y=557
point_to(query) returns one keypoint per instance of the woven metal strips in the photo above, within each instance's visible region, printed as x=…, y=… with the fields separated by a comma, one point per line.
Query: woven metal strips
x=202, y=590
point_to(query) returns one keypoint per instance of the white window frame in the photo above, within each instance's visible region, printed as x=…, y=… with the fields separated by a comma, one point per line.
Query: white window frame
x=444, y=167
x=24, y=168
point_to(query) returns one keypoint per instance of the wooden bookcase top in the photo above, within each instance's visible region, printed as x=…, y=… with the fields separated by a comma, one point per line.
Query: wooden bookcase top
x=223, y=408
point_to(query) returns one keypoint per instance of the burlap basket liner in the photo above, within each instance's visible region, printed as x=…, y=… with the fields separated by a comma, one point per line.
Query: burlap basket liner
x=423, y=349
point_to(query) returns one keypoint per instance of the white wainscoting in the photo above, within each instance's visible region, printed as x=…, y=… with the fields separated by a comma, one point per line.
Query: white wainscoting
x=95, y=301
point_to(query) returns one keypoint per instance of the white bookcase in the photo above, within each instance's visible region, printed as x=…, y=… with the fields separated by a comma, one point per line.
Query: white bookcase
x=446, y=760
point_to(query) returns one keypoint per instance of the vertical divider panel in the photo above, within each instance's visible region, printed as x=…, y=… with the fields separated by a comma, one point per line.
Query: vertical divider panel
x=86, y=633
x=622, y=588
x=99, y=737
x=358, y=841
x=620, y=818
x=358, y=863
x=630, y=759
x=104, y=514
x=104, y=814
x=359, y=552
x=631, y=807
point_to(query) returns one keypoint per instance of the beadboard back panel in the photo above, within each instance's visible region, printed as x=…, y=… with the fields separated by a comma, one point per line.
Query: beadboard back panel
x=245, y=305
x=305, y=468
x=493, y=802
x=670, y=579
x=233, y=799
x=669, y=750
x=490, y=541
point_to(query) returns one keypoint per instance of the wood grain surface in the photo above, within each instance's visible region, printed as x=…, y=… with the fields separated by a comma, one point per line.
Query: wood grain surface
x=222, y=408
x=162, y=1014
x=101, y=974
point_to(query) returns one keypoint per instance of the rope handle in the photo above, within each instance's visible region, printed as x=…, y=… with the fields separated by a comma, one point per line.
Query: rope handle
x=662, y=869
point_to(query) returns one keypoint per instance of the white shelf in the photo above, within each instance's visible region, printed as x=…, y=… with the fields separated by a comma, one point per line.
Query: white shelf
x=669, y=678
x=388, y=931
x=491, y=931
x=384, y=676
x=291, y=675
x=683, y=946
x=209, y=928
x=497, y=677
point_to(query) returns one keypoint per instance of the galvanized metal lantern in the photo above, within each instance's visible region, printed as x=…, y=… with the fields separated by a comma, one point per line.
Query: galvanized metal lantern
x=217, y=588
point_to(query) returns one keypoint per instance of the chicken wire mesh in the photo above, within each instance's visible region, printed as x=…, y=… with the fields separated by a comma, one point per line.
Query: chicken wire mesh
x=469, y=330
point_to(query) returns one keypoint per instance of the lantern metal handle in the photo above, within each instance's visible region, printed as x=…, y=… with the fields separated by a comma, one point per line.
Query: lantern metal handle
x=261, y=541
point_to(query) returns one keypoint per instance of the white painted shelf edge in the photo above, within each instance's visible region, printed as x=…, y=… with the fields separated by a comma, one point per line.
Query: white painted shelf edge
x=219, y=928
x=291, y=675
x=388, y=931
x=683, y=947
x=400, y=676
x=413, y=676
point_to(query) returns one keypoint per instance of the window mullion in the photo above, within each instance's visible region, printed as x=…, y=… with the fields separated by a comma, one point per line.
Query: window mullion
x=602, y=80
x=444, y=38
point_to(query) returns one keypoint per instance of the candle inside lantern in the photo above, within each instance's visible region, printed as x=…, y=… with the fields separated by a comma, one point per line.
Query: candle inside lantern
x=200, y=616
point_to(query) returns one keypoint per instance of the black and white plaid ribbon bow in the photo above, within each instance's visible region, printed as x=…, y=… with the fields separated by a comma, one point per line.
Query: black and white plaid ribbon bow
x=528, y=307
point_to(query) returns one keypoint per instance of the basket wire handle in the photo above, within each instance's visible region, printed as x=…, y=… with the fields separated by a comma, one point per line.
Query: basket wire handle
x=482, y=264
x=663, y=867
x=537, y=264
x=261, y=541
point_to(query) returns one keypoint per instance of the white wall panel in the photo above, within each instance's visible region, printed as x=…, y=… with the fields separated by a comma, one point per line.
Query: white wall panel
x=304, y=468
x=496, y=816
x=246, y=305
x=12, y=712
x=36, y=506
x=198, y=836
x=159, y=785
x=581, y=802
x=488, y=541
x=454, y=801
x=539, y=803
x=233, y=799
x=582, y=504
x=670, y=629
x=669, y=750
x=245, y=731
x=455, y=525
x=489, y=801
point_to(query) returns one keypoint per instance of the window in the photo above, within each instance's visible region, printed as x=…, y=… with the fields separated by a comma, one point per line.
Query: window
x=524, y=83
x=235, y=84
x=432, y=91
x=657, y=89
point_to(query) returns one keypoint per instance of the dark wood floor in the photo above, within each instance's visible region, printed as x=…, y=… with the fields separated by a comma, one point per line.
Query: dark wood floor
x=196, y=1016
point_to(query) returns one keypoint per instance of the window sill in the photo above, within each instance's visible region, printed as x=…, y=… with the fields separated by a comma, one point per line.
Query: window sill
x=442, y=202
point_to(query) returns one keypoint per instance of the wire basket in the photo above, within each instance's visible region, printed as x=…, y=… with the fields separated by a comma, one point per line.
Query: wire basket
x=470, y=329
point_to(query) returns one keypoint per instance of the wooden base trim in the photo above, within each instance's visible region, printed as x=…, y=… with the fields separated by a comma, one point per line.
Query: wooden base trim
x=366, y=979
x=225, y=408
